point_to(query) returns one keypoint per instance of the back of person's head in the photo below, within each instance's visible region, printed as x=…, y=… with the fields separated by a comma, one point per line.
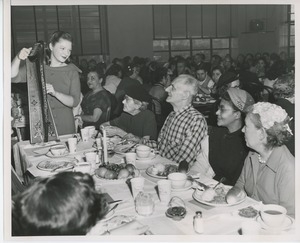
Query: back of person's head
x=64, y=204
x=160, y=73
x=114, y=69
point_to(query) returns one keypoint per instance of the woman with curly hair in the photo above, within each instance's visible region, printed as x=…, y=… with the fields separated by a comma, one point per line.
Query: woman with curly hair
x=268, y=174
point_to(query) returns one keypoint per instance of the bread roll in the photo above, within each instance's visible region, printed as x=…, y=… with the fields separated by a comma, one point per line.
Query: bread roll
x=234, y=195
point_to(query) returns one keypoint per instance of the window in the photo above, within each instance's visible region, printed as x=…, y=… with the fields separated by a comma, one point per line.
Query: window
x=187, y=30
x=86, y=24
x=291, y=31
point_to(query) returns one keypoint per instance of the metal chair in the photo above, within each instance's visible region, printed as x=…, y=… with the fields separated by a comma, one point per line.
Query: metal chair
x=16, y=184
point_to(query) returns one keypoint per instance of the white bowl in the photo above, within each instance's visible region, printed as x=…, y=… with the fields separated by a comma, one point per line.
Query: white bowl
x=58, y=150
x=177, y=179
x=273, y=215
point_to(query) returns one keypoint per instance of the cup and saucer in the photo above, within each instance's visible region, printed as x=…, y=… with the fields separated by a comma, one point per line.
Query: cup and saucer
x=144, y=153
x=179, y=182
x=273, y=218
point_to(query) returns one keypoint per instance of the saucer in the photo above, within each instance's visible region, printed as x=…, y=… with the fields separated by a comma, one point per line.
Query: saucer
x=187, y=186
x=287, y=224
x=151, y=156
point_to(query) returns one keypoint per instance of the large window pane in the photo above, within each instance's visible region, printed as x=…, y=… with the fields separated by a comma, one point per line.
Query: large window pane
x=184, y=54
x=90, y=22
x=209, y=20
x=292, y=29
x=68, y=17
x=292, y=41
x=201, y=44
x=161, y=16
x=160, y=45
x=91, y=41
x=180, y=44
x=91, y=11
x=46, y=17
x=220, y=43
x=23, y=18
x=194, y=21
x=178, y=18
x=234, y=42
x=223, y=20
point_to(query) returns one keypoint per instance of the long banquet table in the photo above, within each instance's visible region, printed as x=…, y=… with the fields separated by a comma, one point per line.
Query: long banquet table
x=217, y=220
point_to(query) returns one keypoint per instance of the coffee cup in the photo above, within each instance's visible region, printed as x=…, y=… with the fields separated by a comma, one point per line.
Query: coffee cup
x=273, y=215
x=178, y=180
x=143, y=151
x=130, y=158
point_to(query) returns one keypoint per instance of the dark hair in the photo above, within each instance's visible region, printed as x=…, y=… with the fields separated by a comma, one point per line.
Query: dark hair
x=114, y=69
x=160, y=73
x=99, y=72
x=57, y=35
x=202, y=66
x=218, y=68
x=64, y=204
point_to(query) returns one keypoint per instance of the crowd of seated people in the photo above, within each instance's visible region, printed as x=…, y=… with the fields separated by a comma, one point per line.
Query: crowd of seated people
x=241, y=127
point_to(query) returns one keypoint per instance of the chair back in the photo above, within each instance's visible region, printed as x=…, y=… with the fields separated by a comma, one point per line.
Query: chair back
x=16, y=184
x=108, y=111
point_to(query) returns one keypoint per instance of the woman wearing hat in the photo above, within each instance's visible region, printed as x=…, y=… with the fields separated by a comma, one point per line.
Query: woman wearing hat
x=136, y=121
x=268, y=174
x=227, y=149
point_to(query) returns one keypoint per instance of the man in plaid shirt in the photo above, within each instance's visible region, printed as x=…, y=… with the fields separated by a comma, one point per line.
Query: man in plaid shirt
x=185, y=127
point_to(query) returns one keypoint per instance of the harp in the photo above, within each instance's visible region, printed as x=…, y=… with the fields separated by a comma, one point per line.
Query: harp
x=42, y=125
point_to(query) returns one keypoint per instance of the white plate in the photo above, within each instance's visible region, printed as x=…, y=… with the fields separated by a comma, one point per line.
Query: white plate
x=52, y=164
x=198, y=198
x=50, y=155
x=187, y=186
x=287, y=224
x=149, y=172
x=151, y=156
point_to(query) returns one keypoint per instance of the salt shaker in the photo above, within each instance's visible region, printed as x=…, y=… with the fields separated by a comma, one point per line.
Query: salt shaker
x=198, y=222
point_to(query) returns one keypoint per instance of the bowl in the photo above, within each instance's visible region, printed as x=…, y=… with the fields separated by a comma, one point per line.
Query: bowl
x=273, y=215
x=143, y=151
x=177, y=179
x=58, y=150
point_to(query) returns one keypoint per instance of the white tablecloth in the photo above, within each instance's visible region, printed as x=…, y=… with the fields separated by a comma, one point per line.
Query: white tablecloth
x=217, y=220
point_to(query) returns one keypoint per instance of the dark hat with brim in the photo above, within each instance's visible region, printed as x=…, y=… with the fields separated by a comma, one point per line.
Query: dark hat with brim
x=137, y=92
x=227, y=78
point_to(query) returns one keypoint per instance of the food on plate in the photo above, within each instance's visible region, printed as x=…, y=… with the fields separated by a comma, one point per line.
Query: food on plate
x=248, y=212
x=116, y=171
x=164, y=170
x=208, y=195
x=234, y=195
x=160, y=168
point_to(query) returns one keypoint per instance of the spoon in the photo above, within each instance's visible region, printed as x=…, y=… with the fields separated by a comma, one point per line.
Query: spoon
x=221, y=180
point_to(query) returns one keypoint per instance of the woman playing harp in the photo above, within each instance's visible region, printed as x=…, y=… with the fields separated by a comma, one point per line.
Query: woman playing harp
x=63, y=84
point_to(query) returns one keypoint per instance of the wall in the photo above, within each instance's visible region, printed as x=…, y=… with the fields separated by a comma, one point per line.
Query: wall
x=130, y=31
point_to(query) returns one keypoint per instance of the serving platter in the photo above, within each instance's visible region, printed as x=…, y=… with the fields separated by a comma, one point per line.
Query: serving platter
x=197, y=196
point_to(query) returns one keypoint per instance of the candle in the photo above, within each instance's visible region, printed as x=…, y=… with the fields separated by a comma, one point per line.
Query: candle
x=104, y=139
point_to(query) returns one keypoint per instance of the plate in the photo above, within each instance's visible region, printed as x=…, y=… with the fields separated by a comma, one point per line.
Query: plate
x=50, y=155
x=56, y=165
x=150, y=157
x=149, y=172
x=287, y=224
x=198, y=198
x=187, y=186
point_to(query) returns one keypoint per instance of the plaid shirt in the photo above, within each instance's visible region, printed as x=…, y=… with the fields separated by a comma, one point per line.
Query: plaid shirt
x=181, y=135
